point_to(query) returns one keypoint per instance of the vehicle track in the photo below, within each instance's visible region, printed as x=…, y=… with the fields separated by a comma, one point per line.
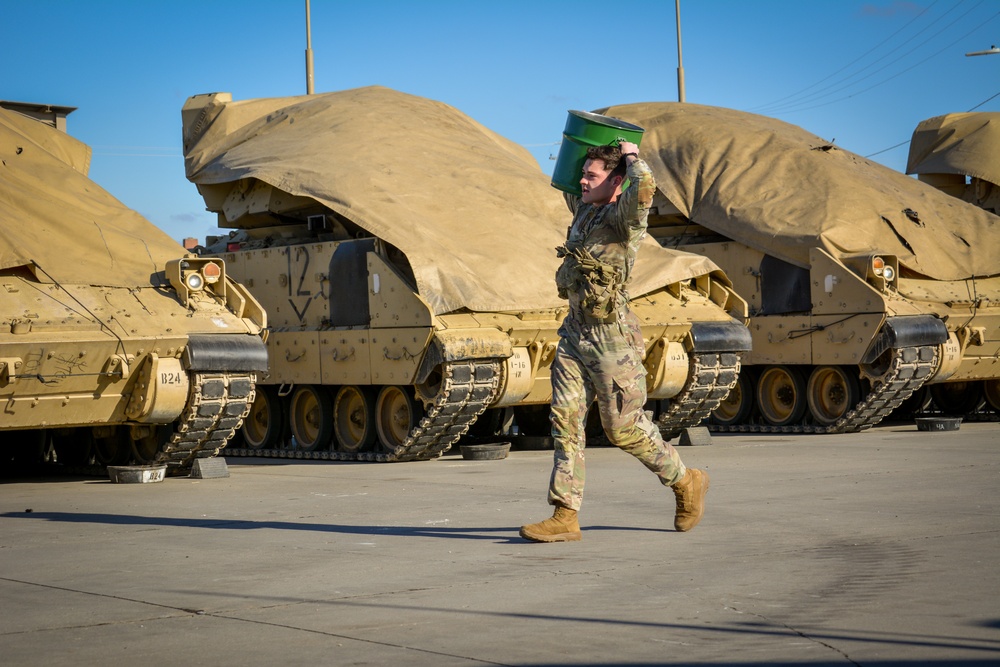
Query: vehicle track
x=908, y=369
x=467, y=388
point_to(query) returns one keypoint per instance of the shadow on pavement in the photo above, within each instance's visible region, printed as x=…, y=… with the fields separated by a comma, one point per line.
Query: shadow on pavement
x=468, y=533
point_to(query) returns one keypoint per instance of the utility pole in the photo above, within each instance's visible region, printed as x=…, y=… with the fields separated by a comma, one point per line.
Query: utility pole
x=309, y=53
x=680, y=61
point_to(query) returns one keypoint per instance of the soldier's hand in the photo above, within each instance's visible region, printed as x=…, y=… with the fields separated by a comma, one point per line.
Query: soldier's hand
x=628, y=147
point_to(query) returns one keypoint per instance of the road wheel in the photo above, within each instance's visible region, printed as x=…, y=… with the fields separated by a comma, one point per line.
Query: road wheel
x=146, y=448
x=781, y=395
x=354, y=426
x=23, y=448
x=832, y=392
x=991, y=390
x=398, y=413
x=957, y=398
x=487, y=425
x=114, y=449
x=918, y=402
x=263, y=427
x=738, y=405
x=310, y=415
x=73, y=446
x=533, y=419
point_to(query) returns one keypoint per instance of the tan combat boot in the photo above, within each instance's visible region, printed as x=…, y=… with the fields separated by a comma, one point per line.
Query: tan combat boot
x=562, y=527
x=690, y=492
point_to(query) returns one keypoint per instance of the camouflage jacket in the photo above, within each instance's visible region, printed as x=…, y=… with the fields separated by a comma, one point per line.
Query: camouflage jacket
x=600, y=249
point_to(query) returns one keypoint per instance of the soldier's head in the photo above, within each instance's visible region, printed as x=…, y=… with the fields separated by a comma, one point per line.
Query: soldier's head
x=603, y=174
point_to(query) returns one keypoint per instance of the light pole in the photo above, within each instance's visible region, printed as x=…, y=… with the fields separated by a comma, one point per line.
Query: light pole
x=309, y=53
x=680, y=62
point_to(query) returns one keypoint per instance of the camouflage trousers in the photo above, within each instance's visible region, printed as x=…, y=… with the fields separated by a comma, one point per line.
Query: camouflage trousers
x=602, y=361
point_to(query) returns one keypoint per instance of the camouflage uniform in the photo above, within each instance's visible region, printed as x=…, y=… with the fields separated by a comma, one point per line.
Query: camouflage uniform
x=601, y=348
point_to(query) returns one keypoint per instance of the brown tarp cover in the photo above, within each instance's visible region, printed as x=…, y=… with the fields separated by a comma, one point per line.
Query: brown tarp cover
x=957, y=143
x=52, y=214
x=472, y=211
x=782, y=190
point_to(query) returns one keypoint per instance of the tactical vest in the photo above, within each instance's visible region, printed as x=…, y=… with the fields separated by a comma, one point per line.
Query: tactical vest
x=600, y=286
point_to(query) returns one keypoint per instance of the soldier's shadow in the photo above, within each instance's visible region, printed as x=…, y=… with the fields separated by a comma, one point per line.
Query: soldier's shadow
x=494, y=533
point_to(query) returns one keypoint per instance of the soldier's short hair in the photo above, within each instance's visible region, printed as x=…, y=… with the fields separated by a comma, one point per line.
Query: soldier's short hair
x=611, y=156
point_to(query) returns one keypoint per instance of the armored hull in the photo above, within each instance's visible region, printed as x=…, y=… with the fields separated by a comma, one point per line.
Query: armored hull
x=864, y=286
x=115, y=346
x=406, y=258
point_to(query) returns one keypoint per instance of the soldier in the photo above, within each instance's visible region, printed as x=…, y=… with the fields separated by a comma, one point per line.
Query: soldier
x=601, y=348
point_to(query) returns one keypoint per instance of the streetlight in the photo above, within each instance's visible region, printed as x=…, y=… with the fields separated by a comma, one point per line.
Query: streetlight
x=993, y=49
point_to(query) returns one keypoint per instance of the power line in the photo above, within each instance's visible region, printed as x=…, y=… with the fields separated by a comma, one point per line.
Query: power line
x=917, y=64
x=903, y=143
x=763, y=108
x=797, y=106
x=984, y=102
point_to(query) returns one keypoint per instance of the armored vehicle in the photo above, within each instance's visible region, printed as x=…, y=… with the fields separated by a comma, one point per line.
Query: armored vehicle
x=406, y=257
x=864, y=285
x=114, y=344
x=958, y=154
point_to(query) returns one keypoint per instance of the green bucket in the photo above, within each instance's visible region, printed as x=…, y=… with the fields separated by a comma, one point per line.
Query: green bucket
x=583, y=130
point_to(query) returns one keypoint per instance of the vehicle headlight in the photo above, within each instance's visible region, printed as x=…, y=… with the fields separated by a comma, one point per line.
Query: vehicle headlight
x=194, y=281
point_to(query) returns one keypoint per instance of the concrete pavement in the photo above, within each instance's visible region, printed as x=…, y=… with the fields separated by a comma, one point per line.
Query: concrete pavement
x=877, y=548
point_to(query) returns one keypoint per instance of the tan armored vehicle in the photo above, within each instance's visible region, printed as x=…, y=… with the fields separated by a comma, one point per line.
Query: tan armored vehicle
x=406, y=257
x=959, y=153
x=113, y=344
x=863, y=284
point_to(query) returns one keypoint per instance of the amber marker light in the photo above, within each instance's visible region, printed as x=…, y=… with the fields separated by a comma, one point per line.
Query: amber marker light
x=212, y=273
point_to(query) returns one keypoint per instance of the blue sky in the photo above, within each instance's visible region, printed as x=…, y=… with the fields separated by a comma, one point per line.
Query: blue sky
x=862, y=73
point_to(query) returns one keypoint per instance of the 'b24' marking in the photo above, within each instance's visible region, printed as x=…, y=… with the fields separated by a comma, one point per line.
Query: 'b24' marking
x=171, y=378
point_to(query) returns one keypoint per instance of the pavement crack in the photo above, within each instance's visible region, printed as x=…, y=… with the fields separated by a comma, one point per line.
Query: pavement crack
x=202, y=612
x=796, y=631
x=359, y=639
x=103, y=595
